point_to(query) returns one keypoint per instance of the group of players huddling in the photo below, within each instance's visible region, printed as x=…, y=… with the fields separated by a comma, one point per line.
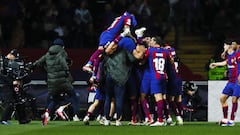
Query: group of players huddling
x=151, y=70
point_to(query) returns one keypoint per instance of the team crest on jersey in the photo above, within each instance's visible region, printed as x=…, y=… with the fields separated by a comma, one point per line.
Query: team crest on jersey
x=233, y=60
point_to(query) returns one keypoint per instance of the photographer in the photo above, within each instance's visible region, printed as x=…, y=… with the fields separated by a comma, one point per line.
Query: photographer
x=191, y=98
x=189, y=94
x=9, y=73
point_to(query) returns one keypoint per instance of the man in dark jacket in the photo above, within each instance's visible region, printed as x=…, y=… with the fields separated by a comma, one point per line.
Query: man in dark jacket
x=116, y=69
x=59, y=80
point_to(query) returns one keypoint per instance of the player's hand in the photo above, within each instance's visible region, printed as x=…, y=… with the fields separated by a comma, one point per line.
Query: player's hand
x=139, y=52
x=223, y=55
x=212, y=65
x=111, y=48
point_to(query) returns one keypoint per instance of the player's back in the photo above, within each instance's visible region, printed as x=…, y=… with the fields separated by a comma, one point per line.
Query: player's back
x=157, y=60
x=173, y=67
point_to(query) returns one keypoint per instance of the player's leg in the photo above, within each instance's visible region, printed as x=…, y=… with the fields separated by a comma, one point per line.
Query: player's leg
x=144, y=91
x=146, y=109
x=166, y=111
x=158, y=88
x=90, y=110
x=159, y=102
x=224, y=104
x=179, y=115
x=234, y=110
x=92, y=61
x=235, y=97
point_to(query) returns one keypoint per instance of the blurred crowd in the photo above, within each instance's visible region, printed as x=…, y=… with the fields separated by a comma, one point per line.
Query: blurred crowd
x=34, y=23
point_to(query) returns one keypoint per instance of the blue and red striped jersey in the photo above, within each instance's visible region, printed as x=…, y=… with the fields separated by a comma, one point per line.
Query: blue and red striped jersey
x=157, y=60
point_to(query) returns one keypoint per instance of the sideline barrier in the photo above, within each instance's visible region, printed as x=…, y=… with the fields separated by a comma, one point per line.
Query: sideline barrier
x=38, y=89
x=214, y=106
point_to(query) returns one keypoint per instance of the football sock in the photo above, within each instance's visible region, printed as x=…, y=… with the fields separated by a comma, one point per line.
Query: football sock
x=160, y=110
x=180, y=108
x=145, y=107
x=139, y=40
x=225, y=112
x=88, y=114
x=95, y=55
x=117, y=39
x=174, y=108
x=234, y=110
x=166, y=108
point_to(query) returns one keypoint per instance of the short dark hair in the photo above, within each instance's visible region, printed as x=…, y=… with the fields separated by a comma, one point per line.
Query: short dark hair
x=158, y=40
x=238, y=41
x=228, y=41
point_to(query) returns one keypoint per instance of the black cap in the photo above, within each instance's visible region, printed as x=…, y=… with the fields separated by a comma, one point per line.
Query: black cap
x=58, y=41
x=14, y=52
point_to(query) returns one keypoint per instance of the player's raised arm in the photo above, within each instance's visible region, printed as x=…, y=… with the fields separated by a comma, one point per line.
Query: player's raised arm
x=218, y=64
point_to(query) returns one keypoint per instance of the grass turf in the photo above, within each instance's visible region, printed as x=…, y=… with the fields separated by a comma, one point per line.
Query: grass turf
x=77, y=128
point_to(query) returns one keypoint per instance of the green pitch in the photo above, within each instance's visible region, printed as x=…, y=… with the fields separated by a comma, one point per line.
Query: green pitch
x=77, y=128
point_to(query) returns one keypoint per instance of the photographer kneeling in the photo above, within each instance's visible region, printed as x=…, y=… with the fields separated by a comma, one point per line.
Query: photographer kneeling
x=13, y=75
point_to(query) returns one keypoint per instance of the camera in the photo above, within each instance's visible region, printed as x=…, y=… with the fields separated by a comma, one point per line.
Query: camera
x=16, y=69
x=190, y=86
